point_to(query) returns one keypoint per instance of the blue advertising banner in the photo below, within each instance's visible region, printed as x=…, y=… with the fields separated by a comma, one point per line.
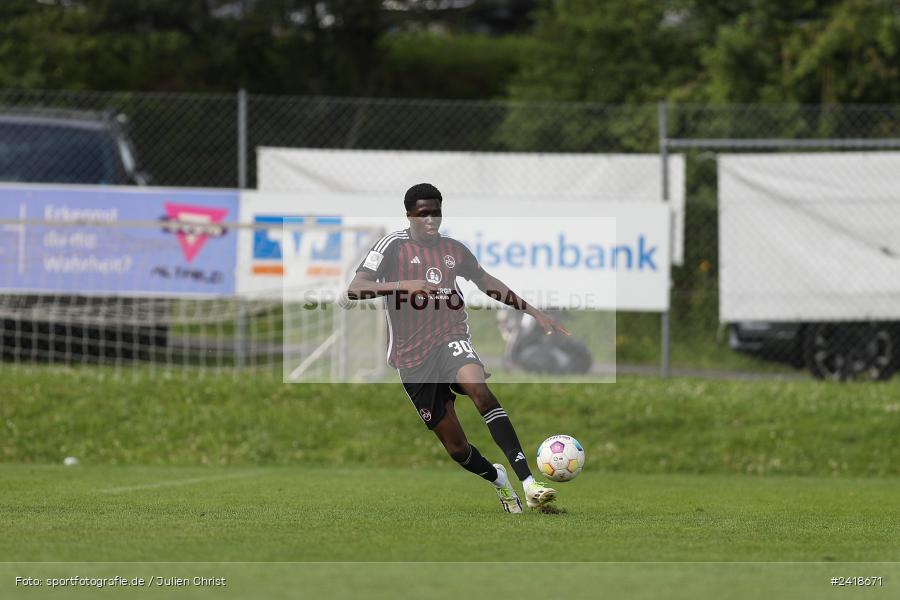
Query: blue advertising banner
x=167, y=256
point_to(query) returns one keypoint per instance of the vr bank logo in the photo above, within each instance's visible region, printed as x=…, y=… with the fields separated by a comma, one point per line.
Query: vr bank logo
x=275, y=244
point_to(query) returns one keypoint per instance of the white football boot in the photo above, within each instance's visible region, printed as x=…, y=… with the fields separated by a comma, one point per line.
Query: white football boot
x=508, y=498
x=539, y=494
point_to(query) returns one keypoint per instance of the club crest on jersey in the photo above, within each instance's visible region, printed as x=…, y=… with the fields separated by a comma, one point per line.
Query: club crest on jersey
x=433, y=275
x=449, y=261
x=426, y=414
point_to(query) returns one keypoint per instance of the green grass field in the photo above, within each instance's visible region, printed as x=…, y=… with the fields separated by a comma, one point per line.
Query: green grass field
x=692, y=489
x=312, y=513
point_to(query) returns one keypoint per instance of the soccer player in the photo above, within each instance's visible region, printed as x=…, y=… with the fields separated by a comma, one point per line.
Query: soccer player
x=415, y=270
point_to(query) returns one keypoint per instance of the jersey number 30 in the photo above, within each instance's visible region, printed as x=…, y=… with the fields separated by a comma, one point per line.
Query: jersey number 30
x=460, y=346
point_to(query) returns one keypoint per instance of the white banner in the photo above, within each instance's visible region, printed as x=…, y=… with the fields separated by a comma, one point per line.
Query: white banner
x=809, y=236
x=616, y=258
x=505, y=179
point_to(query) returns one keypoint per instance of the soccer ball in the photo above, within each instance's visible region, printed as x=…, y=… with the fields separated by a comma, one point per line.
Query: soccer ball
x=560, y=458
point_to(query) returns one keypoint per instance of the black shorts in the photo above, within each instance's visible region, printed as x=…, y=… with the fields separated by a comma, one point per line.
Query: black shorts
x=431, y=384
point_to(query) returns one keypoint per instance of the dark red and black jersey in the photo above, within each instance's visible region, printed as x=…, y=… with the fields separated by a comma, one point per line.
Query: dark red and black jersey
x=416, y=324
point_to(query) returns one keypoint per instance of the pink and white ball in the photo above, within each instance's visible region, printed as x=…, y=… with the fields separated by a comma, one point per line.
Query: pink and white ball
x=560, y=458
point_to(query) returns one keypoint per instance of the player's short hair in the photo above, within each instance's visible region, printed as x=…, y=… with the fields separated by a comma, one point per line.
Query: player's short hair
x=421, y=191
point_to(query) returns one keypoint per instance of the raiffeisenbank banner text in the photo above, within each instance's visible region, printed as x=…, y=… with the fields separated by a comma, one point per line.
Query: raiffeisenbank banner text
x=612, y=257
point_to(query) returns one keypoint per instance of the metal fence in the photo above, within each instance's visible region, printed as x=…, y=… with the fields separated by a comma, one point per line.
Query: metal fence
x=803, y=219
x=210, y=141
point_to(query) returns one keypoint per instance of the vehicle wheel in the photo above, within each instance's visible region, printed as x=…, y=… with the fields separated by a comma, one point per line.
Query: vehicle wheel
x=554, y=357
x=579, y=356
x=852, y=351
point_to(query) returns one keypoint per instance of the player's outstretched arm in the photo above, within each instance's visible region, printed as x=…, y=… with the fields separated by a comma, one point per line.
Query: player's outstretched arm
x=498, y=290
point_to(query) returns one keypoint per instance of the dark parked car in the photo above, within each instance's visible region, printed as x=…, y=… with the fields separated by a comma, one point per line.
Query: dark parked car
x=40, y=146
x=79, y=147
x=834, y=350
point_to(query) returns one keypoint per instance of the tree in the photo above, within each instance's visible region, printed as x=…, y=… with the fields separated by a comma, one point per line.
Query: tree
x=854, y=56
x=609, y=51
x=806, y=51
x=191, y=45
x=316, y=47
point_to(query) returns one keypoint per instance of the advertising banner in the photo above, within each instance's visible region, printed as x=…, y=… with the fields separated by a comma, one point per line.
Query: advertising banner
x=809, y=236
x=615, y=258
x=132, y=246
x=503, y=179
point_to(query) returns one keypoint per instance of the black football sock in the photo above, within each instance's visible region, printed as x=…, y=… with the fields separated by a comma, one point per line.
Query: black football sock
x=504, y=434
x=474, y=462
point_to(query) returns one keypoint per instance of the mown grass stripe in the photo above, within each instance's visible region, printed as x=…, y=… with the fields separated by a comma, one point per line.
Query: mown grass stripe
x=177, y=482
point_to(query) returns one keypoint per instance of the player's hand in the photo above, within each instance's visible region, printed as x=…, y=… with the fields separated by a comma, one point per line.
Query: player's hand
x=417, y=286
x=549, y=324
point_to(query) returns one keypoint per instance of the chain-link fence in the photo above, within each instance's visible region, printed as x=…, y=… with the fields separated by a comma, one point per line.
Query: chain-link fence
x=213, y=141
x=791, y=233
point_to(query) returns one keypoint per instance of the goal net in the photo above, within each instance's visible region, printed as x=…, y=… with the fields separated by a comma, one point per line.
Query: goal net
x=326, y=337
